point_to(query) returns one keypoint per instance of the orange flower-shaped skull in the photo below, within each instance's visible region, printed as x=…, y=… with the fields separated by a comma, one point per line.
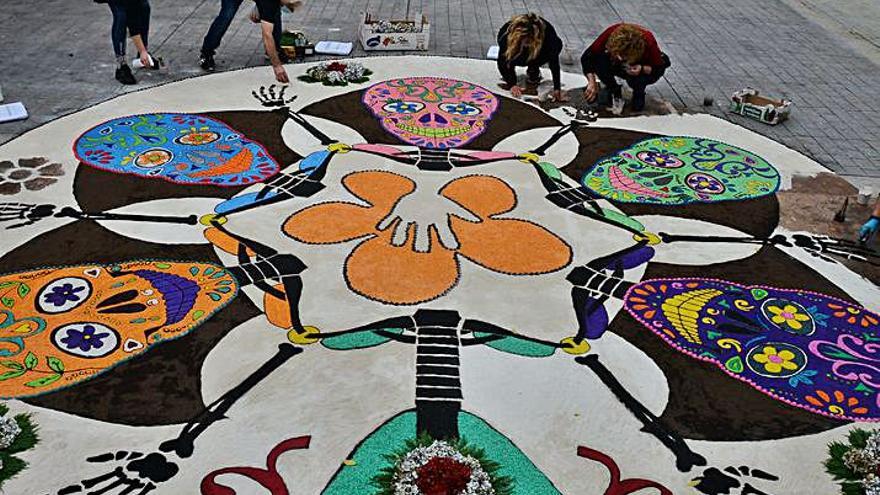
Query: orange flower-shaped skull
x=402, y=269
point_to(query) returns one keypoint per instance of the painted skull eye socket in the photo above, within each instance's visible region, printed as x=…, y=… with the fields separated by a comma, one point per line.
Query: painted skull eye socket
x=86, y=339
x=197, y=138
x=464, y=109
x=153, y=158
x=660, y=160
x=704, y=183
x=63, y=294
x=403, y=107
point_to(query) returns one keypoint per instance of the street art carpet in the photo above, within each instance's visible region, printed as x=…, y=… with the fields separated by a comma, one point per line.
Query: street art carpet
x=417, y=285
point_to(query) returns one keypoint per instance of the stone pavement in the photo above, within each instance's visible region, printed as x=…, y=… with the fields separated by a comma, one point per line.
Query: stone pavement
x=716, y=46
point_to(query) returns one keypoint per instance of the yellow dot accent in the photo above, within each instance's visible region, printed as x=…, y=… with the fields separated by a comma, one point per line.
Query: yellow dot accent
x=211, y=217
x=575, y=348
x=350, y=462
x=528, y=158
x=339, y=147
x=304, y=337
x=652, y=238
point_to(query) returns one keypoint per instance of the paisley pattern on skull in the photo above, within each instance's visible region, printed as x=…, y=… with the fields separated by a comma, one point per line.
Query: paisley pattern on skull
x=803, y=348
x=681, y=170
x=60, y=326
x=431, y=112
x=176, y=147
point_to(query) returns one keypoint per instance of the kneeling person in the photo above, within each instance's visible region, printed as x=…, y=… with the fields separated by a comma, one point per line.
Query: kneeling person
x=628, y=51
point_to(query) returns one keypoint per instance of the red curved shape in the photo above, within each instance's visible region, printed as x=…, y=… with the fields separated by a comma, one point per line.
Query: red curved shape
x=267, y=478
x=616, y=486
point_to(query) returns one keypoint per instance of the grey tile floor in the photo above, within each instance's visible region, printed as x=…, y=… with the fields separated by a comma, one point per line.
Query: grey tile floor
x=58, y=59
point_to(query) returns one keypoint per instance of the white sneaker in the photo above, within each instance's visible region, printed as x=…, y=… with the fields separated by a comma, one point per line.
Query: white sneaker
x=616, y=105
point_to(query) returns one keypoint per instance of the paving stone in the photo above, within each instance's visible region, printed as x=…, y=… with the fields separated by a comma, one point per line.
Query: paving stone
x=716, y=48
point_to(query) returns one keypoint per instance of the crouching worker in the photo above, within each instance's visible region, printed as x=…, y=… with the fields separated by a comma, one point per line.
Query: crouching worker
x=529, y=41
x=627, y=51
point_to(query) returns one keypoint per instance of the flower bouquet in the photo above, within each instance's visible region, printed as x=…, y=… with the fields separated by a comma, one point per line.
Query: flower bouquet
x=438, y=467
x=856, y=463
x=336, y=73
x=17, y=434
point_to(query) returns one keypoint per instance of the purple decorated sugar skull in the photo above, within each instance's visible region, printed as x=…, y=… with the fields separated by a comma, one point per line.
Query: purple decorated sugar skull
x=431, y=112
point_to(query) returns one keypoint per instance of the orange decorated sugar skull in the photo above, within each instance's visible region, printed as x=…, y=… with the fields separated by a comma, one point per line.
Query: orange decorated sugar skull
x=60, y=326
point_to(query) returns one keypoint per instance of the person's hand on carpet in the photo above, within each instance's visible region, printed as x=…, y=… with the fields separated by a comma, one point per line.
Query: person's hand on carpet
x=516, y=91
x=591, y=92
x=869, y=230
x=559, y=95
x=280, y=74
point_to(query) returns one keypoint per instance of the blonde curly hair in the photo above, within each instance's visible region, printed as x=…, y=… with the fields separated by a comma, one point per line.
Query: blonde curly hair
x=627, y=42
x=524, y=33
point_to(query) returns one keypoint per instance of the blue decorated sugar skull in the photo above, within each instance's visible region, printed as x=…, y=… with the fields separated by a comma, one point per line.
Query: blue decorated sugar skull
x=177, y=147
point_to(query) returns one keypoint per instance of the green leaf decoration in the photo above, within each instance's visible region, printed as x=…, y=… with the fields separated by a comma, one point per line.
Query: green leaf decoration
x=12, y=374
x=31, y=361
x=55, y=364
x=858, y=438
x=8, y=302
x=193, y=270
x=23, y=290
x=11, y=467
x=28, y=437
x=12, y=365
x=42, y=382
x=3, y=285
x=864, y=389
x=214, y=296
x=162, y=266
x=759, y=294
x=735, y=364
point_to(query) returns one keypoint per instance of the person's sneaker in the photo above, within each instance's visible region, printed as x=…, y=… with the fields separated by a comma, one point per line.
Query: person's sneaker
x=638, y=101
x=616, y=105
x=206, y=62
x=158, y=63
x=124, y=75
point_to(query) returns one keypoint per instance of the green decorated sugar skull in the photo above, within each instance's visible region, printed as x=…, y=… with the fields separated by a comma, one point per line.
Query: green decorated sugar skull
x=681, y=170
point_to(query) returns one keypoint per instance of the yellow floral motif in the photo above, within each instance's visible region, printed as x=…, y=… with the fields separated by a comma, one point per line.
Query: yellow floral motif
x=774, y=361
x=788, y=315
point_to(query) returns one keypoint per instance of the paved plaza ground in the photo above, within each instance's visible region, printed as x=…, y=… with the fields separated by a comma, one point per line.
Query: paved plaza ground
x=819, y=53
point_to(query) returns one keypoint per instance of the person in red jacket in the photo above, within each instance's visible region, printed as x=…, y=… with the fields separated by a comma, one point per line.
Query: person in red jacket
x=628, y=51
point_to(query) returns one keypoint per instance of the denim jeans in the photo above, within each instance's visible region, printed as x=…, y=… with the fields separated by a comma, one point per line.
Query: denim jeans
x=228, y=9
x=133, y=15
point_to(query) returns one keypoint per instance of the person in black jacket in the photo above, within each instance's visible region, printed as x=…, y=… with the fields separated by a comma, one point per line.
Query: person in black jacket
x=529, y=40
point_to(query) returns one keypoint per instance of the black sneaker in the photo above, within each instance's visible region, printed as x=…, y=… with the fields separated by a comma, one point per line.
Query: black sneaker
x=158, y=63
x=124, y=75
x=638, y=101
x=206, y=62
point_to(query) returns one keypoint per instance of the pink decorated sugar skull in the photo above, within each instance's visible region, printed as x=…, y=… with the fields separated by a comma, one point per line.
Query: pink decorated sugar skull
x=431, y=112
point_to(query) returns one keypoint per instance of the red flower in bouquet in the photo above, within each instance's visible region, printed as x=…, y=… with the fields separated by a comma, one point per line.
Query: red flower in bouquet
x=443, y=476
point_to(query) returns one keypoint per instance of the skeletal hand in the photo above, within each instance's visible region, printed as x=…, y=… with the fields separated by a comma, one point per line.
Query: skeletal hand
x=268, y=97
x=413, y=215
x=135, y=474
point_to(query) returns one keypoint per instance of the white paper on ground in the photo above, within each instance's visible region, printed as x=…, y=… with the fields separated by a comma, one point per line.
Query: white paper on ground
x=13, y=111
x=334, y=47
x=492, y=54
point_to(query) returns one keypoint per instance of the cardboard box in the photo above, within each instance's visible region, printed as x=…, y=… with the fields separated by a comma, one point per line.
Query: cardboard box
x=373, y=41
x=748, y=102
